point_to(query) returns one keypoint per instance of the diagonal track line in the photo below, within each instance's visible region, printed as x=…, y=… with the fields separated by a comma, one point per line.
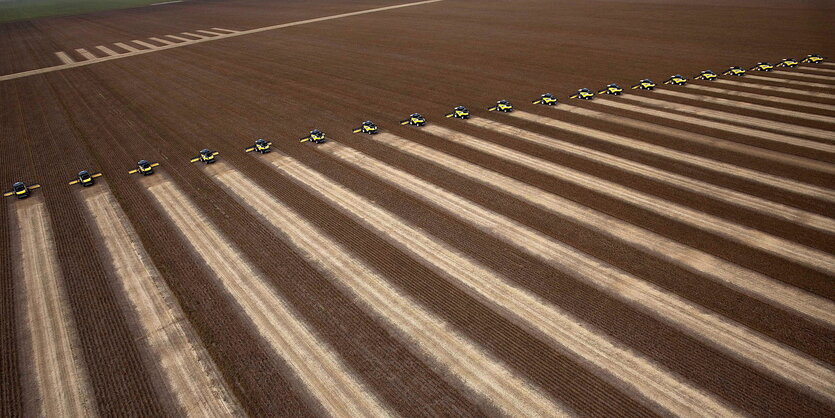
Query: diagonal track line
x=197, y=41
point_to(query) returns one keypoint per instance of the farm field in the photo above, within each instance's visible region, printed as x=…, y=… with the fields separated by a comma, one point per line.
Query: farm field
x=661, y=252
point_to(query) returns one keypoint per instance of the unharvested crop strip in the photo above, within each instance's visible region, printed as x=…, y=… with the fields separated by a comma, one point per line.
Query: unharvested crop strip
x=745, y=120
x=190, y=372
x=747, y=236
x=791, y=82
x=436, y=338
x=742, y=343
x=706, y=163
x=316, y=365
x=733, y=197
x=765, y=97
x=224, y=36
x=657, y=384
x=746, y=105
x=63, y=387
x=750, y=282
x=773, y=88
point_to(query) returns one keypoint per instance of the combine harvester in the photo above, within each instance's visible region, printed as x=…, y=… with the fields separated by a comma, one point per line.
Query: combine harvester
x=20, y=190
x=144, y=167
x=85, y=178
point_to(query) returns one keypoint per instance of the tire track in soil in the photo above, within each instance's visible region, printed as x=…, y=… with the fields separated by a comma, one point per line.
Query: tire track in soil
x=321, y=370
x=705, y=113
x=94, y=303
x=764, y=97
x=11, y=401
x=741, y=342
x=781, y=151
x=731, y=197
x=788, y=90
x=754, y=284
x=435, y=339
x=770, y=180
x=60, y=375
x=779, y=247
x=191, y=375
x=397, y=374
x=790, y=82
x=751, y=106
x=799, y=74
x=236, y=132
x=254, y=372
x=668, y=391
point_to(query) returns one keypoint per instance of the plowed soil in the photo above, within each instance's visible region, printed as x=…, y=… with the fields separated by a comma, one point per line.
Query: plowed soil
x=279, y=84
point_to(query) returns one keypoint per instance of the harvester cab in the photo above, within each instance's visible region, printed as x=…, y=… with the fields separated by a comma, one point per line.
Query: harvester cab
x=706, y=75
x=261, y=145
x=415, y=119
x=459, y=112
x=645, y=84
x=788, y=62
x=367, y=127
x=583, y=93
x=20, y=190
x=205, y=156
x=547, y=99
x=735, y=71
x=813, y=59
x=502, y=106
x=677, y=80
x=612, y=89
x=86, y=178
x=316, y=136
x=762, y=66
x=144, y=167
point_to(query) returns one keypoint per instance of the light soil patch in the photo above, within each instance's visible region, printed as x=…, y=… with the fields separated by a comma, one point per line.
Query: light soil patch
x=316, y=365
x=752, y=283
x=742, y=343
x=751, y=106
x=706, y=163
x=775, y=99
x=747, y=236
x=63, y=387
x=566, y=332
x=190, y=372
x=86, y=54
x=432, y=337
x=230, y=34
x=791, y=82
x=126, y=47
x=66, y=59
x=162, y=41
x=733, y=197
x=777, y=89
x=800, y=74
x=815, y=70
x=143, y=43
x=741, y=119
x=106, y=50
x=180, y=38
